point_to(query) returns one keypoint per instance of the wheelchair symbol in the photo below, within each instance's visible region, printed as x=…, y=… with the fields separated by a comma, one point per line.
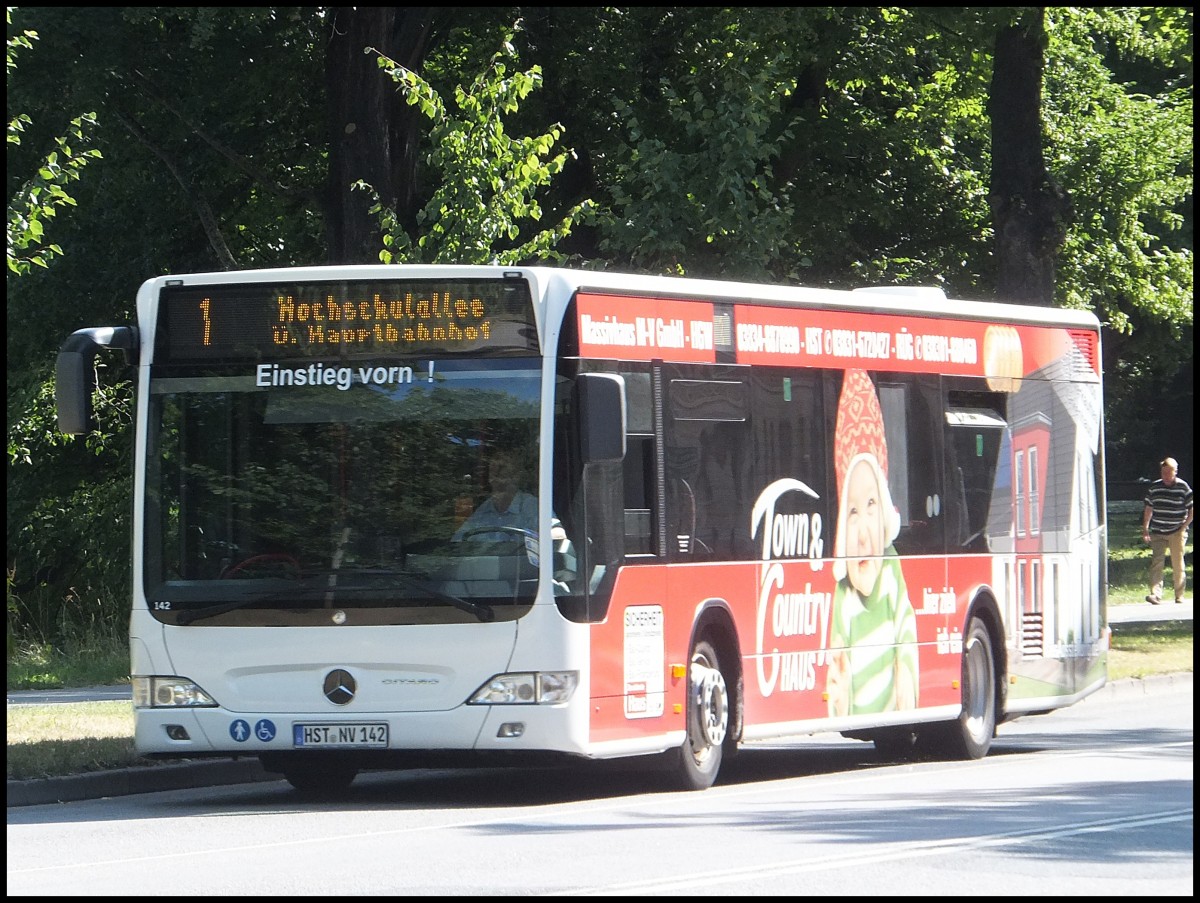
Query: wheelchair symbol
x=265, y=730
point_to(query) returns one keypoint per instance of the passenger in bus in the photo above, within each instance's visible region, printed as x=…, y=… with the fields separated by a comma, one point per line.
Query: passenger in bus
x=507, y=506
x=873, y=634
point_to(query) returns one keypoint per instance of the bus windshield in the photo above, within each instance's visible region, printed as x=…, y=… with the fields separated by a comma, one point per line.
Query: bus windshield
x=292, y=504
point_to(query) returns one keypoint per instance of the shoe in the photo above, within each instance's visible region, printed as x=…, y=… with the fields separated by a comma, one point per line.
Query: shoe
x=1178, y=601
x=1153, y=600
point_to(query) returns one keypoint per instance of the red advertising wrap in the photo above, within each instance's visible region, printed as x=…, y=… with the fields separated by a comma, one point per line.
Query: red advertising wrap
x=614, y=326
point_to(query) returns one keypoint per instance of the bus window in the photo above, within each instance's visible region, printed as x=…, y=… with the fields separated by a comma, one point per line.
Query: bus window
x=973, y=441
x=789, y=440
x=637, y=478
x=913, y=435
x=639, y=472
x=706, y=462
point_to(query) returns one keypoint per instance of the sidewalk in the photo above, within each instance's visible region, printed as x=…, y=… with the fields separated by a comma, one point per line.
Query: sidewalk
x=1145, y=613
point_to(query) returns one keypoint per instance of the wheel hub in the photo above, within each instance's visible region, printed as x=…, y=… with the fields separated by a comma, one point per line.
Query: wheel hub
x=712, y=703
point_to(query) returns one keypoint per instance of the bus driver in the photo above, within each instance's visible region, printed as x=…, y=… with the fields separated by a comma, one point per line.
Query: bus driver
x=510, y=506
x=507, y=506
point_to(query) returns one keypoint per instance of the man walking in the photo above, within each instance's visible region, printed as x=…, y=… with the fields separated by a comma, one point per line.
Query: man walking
x=1165, y=521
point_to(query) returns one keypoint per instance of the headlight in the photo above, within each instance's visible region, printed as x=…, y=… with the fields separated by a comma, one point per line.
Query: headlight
x=168, y=692
x=529, y=688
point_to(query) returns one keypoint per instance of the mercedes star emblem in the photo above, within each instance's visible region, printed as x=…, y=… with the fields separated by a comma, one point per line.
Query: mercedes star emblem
x=339, y=687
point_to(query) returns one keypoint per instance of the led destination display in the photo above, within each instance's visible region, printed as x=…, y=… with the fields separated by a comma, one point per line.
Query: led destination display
x=346, y=319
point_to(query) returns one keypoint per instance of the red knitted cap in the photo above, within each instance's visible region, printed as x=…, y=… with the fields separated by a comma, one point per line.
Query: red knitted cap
x=859, y=428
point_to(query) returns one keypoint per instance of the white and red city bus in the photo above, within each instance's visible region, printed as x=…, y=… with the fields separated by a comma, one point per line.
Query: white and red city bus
x=399, y=514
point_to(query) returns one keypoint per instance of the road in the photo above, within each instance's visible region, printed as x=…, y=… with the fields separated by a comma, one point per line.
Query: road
x=1095, y=799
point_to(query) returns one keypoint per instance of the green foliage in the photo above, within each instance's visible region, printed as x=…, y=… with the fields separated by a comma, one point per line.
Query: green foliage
x=39, y=199
x=906, y=107
x=40, y=196
x=488, y=180
x=67, y=577
x=36, y=200
x=828, y=146
x=1125, y=150
x=1118, y=113
x=692, y=183
x=98, y=658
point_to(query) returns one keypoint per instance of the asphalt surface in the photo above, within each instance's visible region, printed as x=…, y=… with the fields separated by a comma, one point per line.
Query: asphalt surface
x=215, y=772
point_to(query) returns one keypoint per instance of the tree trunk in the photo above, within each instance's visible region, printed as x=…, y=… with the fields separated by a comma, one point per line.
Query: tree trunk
x=1029, y=209
x=374, y=135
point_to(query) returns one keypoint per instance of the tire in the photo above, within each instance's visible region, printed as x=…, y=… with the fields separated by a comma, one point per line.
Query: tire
x=698, y=761
x=970, y=735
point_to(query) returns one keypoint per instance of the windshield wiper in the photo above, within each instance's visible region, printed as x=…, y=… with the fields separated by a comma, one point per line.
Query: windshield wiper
x=483, y=612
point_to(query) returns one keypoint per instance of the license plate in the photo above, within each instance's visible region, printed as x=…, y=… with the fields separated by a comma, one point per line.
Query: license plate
x=319, y=736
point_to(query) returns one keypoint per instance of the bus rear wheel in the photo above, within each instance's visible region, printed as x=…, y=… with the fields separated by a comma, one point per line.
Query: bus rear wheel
x=708, y=703
x=970, y=735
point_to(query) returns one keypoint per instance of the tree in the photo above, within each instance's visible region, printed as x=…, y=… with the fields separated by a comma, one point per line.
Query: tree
x=37, y=200
x=41, y=195
x=488, y=180
x=1118, y=112
x=1029, y=207
x=807, y=145
x=1120, y=126
x=374, y=137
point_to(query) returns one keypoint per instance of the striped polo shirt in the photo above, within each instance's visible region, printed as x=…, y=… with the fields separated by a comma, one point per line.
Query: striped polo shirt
x=1169, y=505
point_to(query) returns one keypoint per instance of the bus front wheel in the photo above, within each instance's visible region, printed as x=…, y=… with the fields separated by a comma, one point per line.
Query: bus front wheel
x=313, y=774
x=707, y=717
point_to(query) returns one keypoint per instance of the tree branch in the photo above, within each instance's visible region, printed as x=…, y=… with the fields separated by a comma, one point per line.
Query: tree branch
x=203, y=211
x=240, y=162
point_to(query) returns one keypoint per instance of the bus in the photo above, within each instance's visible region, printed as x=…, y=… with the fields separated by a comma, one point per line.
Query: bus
x=390, y=515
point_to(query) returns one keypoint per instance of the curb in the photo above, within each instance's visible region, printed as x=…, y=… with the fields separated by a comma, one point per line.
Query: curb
x=1145, y=686
x=146, y=779
x=217, y=772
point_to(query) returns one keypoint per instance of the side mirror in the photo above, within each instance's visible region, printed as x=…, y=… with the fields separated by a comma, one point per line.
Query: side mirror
x=600, y=403
x=73, y=373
